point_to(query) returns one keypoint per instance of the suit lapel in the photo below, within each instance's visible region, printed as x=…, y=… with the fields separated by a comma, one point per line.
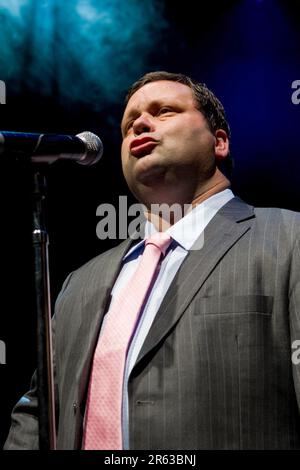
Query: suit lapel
x=97, y=295
x=223, y=231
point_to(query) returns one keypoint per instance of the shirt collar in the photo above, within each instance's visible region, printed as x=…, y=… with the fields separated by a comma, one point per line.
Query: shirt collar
x=186, y=231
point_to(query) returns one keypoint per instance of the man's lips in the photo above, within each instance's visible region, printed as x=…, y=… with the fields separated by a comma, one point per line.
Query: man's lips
x=142, y=146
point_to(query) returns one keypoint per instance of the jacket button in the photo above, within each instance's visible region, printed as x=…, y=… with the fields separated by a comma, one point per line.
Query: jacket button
x=75, y=406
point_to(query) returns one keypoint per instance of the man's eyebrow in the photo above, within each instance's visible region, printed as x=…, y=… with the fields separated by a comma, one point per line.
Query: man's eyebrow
x=134, y=112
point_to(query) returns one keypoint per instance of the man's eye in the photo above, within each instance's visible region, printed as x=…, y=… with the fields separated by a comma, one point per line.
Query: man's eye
x=164, y=110
x=128, y=126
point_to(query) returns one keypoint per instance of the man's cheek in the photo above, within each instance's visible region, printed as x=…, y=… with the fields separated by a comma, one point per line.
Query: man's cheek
x=124, y=152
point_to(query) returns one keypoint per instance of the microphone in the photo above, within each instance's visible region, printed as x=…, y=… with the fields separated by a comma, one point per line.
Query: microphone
x=85, y=148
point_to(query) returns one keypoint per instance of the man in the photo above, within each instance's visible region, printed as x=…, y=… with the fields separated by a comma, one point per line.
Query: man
x=209, y=363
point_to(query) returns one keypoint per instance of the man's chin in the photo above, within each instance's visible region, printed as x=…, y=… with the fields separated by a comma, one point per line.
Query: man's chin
x=151, y=176
x=149, y=194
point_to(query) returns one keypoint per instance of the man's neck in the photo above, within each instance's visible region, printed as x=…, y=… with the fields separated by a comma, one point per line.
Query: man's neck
x=215, y=185
x=218, y=184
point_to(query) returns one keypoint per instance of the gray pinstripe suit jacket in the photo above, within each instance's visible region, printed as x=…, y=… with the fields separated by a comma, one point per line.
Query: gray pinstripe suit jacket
x=215, y=371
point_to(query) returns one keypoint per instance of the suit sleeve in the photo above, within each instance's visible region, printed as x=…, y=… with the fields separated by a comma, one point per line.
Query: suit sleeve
x=24, y=430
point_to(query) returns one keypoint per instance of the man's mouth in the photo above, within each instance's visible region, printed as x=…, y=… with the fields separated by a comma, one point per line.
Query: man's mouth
x=141, y=147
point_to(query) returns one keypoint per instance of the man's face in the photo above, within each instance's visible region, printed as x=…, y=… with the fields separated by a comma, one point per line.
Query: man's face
x=168, y=150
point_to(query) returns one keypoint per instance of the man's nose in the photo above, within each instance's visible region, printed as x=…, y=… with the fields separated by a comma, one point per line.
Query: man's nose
x=143, y=123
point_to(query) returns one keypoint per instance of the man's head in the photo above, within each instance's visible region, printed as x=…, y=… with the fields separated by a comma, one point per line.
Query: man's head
x=175, y=134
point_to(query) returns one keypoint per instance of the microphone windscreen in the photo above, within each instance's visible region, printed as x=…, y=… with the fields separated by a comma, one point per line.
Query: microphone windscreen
x=94, y=148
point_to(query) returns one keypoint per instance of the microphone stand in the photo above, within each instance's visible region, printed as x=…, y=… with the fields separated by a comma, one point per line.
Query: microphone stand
x=46, y=400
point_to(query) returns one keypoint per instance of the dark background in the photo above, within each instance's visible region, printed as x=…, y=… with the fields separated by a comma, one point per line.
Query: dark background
x=67, y=66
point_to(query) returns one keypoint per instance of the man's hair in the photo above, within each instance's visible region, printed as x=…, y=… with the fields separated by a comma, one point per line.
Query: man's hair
x=206, y=102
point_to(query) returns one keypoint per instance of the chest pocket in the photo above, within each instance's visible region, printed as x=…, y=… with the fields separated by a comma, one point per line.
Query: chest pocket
x=231, y=304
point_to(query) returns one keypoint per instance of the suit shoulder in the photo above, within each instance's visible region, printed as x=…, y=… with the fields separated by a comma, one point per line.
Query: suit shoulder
x=97, y=267
x=278, y=219
x=98, y=259
x=278, y=213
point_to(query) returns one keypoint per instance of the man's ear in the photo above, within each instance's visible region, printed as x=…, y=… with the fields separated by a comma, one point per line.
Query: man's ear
x=221, y=144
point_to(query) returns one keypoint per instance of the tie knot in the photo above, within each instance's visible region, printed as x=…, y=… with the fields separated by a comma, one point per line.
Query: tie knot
x=160, y=239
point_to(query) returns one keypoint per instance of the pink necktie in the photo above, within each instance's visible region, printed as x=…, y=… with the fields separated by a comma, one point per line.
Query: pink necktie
x=103, y=426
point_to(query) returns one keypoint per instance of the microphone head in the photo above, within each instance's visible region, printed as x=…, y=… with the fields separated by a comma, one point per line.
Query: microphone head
x=93, y=148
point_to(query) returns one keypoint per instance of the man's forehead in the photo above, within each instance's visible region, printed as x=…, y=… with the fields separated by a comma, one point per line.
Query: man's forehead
x=158, y=90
